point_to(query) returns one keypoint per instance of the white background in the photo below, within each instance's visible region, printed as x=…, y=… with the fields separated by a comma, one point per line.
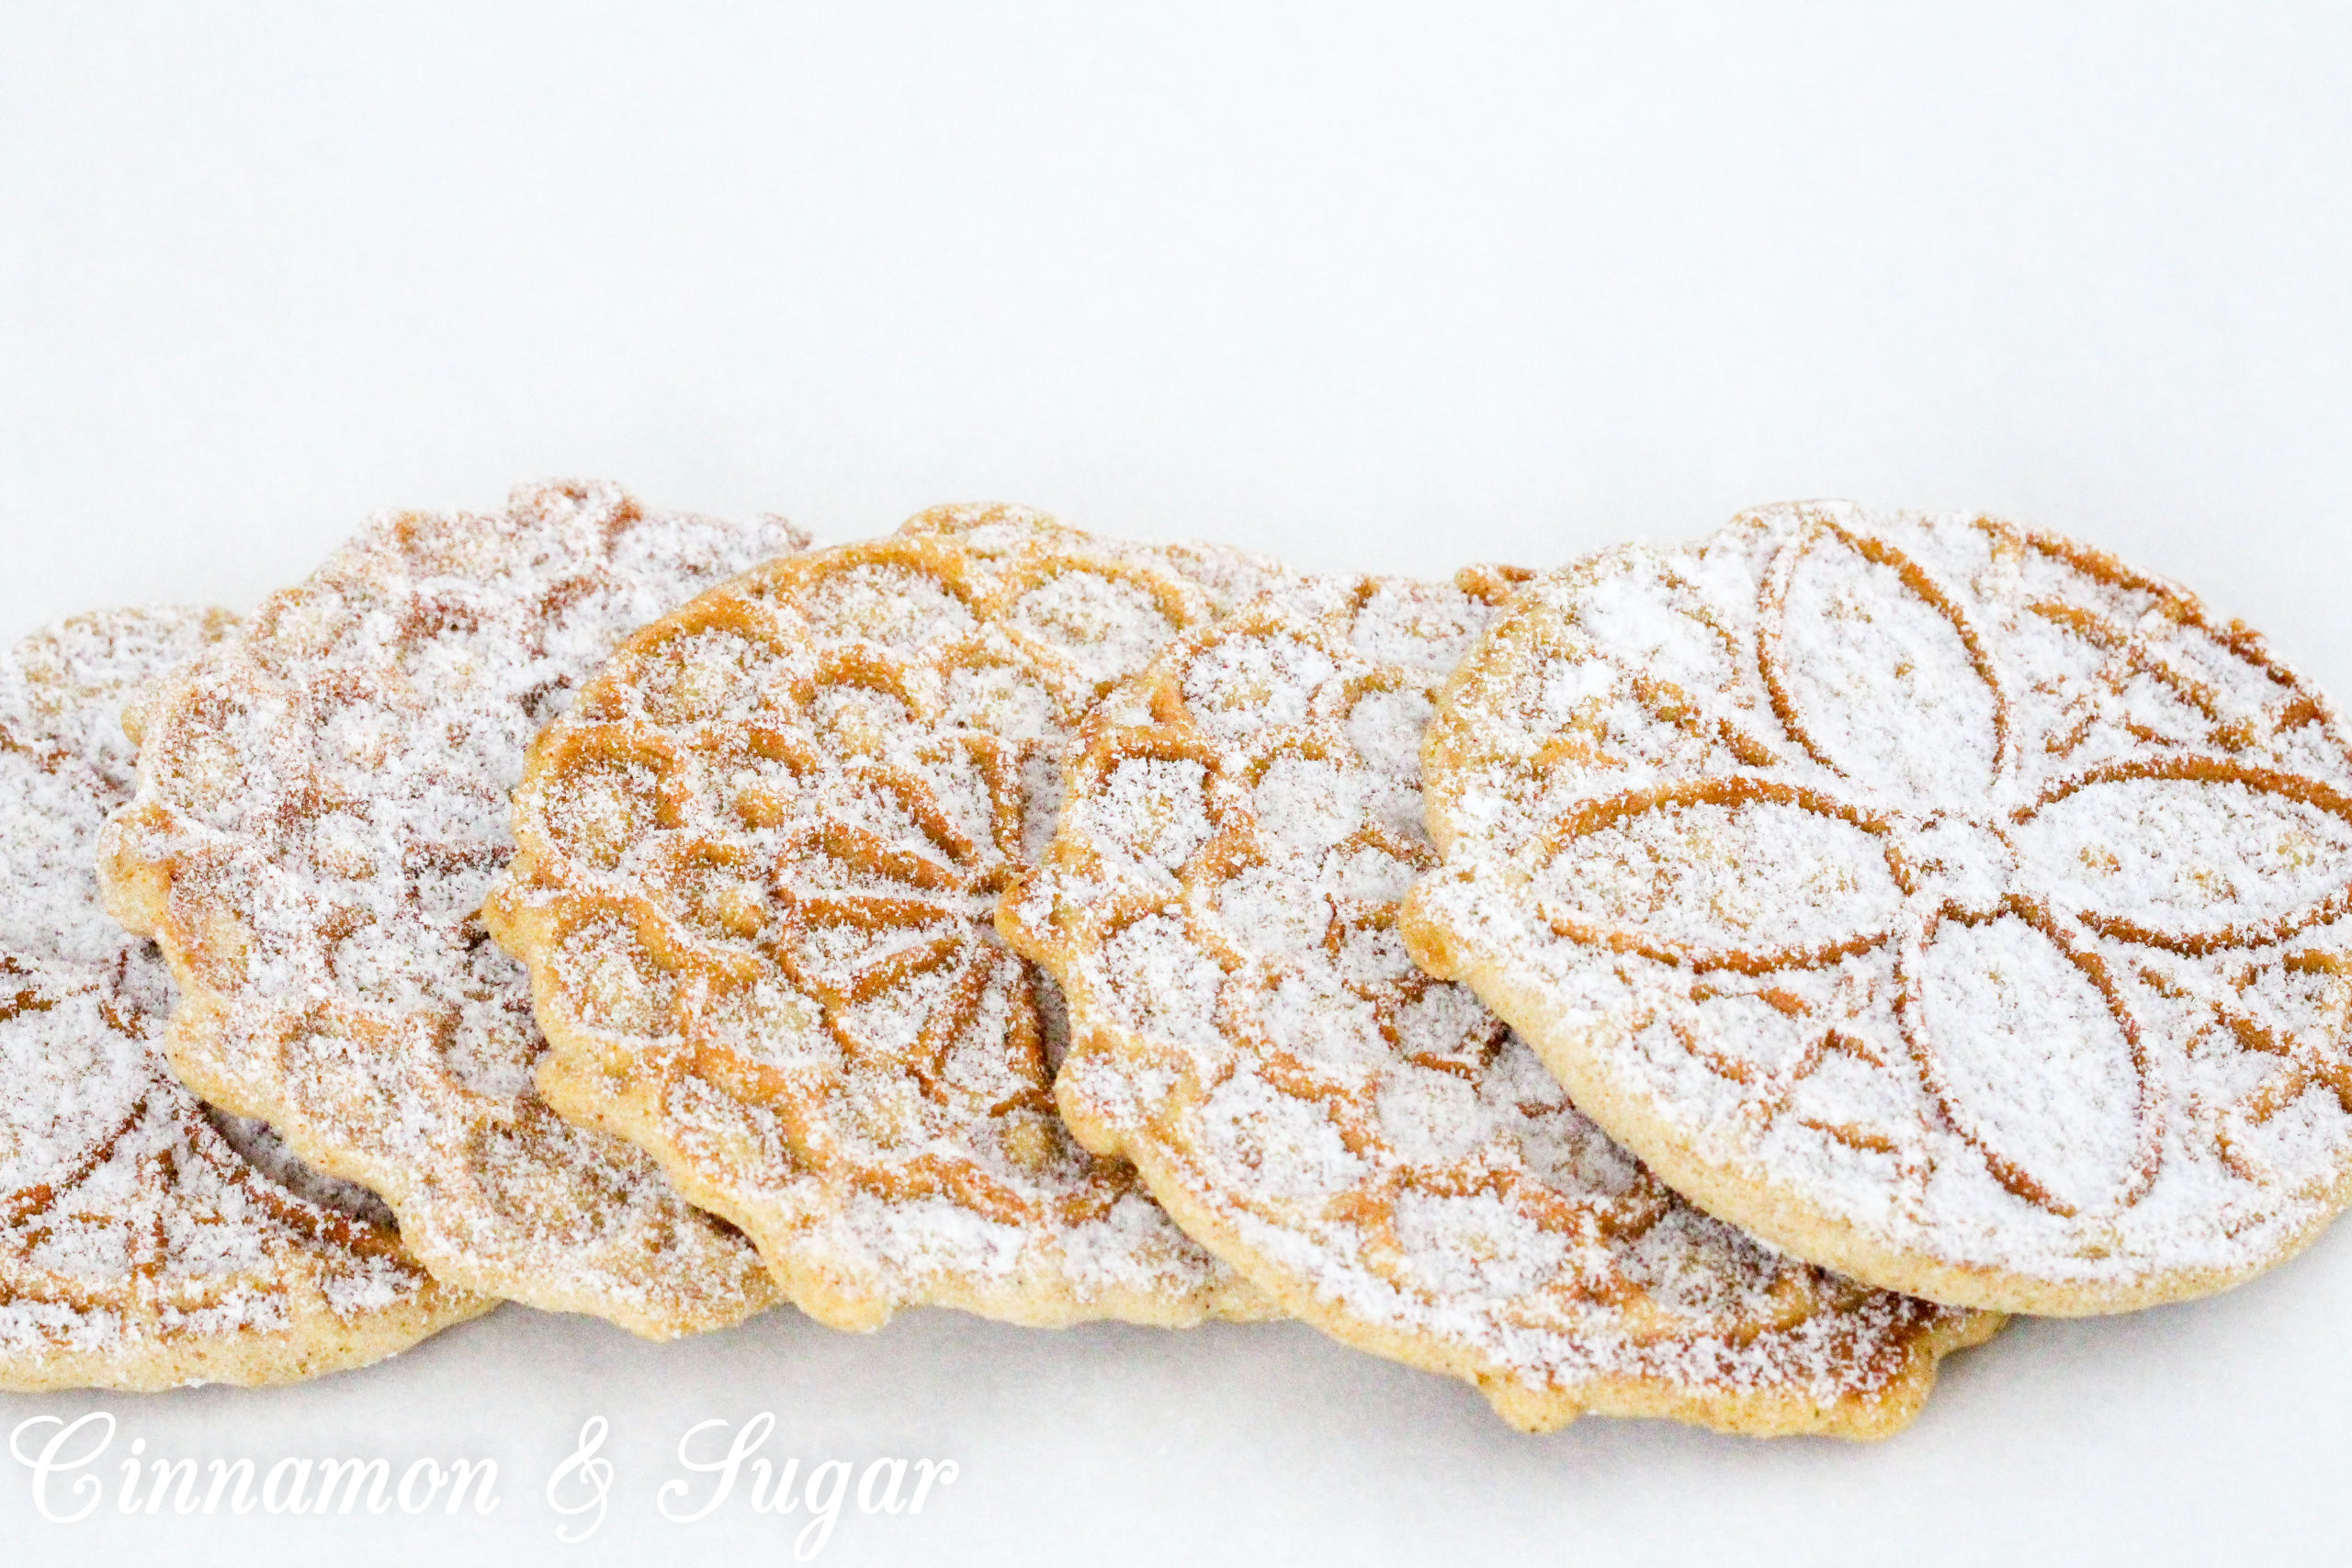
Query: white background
x=1376, y=289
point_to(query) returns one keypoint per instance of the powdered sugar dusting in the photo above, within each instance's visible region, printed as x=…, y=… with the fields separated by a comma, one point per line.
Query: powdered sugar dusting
x=760, y=860
x=144, y=1239
x=1956, y=884
x=322, y=808
x=1220, y=904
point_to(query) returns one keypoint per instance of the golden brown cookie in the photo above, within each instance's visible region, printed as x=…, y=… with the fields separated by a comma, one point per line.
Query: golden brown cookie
x=760, y=861
x=1942, y=901
x=1368, y=1144
x=321, y=806
x=146, y=1240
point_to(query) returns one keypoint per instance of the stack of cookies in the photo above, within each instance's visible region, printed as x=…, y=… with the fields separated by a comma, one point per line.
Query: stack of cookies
x=1712, y=983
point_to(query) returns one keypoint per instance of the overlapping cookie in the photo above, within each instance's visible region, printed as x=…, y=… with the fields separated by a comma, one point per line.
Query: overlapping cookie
x=1369, y=1145
x=146, y=1240
x=759, y=864
x=320, y=807
x=1944, y=902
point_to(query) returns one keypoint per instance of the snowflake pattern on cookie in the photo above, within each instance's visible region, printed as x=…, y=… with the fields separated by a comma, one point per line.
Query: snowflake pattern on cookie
x=1943, y=901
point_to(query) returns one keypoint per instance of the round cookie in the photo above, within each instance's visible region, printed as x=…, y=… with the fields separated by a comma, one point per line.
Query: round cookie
x=759, y=866
x=146, y=1240
x=321, y=806
x=1368, y=1144
x=1944, y=902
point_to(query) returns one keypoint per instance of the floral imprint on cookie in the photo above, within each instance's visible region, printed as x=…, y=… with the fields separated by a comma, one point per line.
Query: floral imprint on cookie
x=759, y=869
x=1946, y=902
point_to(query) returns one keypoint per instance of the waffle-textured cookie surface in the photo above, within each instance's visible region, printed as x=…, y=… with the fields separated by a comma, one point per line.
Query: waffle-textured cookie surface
x=1947, y=903
x=146, y=1241
x=1369, y=1145
x=760, y=862
x=321, y=805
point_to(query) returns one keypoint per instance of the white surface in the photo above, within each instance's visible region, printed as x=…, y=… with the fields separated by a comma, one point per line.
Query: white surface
x=1369, y=290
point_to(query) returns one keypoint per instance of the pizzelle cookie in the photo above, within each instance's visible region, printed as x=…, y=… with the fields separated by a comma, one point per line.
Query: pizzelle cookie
x=145, y=1241
x=321, y=805
x=1369, y=1145
x=1944, y=902
x=759, y=865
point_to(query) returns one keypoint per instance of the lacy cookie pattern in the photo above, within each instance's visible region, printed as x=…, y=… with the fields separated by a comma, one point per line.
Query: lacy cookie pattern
x=1367, y=1142
x=321, y=805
